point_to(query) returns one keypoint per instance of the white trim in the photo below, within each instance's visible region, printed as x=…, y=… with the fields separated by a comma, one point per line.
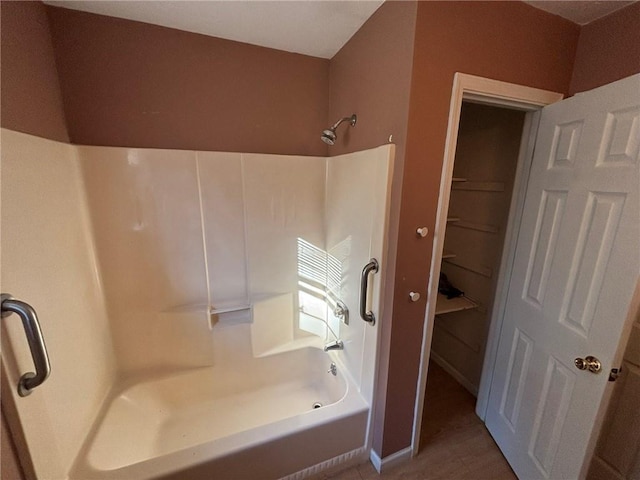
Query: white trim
x=382, y=464
x=375, y=460
x=451, y=370
x=500, y=93
x=487, y=91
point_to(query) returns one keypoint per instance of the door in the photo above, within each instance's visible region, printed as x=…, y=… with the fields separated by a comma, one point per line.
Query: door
x=577, y=260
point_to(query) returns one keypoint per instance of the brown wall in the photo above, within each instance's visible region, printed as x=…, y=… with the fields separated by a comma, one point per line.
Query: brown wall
x=371, y=76
x=30, y=96
x=127, y=83
x=508, y=41
x=608, y=50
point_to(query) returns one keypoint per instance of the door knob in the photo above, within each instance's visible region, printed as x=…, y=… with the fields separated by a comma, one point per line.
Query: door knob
x=588, y=363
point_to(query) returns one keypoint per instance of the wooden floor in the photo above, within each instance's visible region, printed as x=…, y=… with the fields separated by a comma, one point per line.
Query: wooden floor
x=455, y=445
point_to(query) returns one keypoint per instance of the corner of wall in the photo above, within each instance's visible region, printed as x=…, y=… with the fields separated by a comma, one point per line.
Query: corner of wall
x=383, y=51
x=608, y=50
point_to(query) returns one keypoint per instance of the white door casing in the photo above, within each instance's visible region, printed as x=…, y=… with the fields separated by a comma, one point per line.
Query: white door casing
x=576, y=263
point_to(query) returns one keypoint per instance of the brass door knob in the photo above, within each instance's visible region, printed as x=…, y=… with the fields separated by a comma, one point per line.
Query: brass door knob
x=588, y=363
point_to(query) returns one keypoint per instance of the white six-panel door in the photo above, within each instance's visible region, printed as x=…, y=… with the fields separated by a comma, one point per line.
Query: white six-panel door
x=576, y=264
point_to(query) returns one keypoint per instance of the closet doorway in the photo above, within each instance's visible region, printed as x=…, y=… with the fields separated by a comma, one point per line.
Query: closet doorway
x=486, y=158
x=492, y=130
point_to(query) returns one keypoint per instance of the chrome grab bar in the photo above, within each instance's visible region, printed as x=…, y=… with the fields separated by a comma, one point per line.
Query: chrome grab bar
x=372, y=266
x=29, y=380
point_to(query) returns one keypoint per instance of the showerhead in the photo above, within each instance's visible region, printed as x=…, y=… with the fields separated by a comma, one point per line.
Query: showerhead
x=329, y=136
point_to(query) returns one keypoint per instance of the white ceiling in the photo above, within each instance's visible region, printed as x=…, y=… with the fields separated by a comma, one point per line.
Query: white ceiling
x=580, y=11
x=312, y=27
x=316, y=28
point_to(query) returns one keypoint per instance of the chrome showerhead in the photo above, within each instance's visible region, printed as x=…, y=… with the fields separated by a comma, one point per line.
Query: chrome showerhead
x=329, y=136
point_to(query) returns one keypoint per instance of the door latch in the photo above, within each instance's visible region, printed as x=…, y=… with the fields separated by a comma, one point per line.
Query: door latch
x=614, y=374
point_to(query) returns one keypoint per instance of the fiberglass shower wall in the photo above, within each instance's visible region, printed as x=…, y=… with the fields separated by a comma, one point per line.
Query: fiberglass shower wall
x=261, y=241
x=179, y=233
x=48, y=260
x=357, y=198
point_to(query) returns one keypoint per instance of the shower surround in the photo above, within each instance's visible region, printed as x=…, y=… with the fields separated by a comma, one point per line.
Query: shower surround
x=206, y=294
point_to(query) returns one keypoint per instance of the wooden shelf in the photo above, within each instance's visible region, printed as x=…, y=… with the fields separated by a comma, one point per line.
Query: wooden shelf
x=448, y=255
x=444, y=305
x=458, y=179
x=453, y=219
x=473, y=226
x=480, y=186
x=478, y=269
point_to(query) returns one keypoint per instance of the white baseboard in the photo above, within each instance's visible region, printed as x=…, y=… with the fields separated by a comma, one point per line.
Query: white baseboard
x=451, y=370
x=381, y=464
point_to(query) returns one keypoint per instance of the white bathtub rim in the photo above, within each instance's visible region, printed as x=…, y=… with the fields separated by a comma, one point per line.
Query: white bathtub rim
x=173, y=462
x=351, y=403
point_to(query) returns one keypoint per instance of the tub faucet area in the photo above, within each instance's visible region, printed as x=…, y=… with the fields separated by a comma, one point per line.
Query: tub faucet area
x=335, y=345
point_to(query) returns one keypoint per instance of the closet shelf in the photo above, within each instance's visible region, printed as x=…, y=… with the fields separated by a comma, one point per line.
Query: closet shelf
x=480, y=186
x=458, y=179
x=456, y=222
x=448, y=255
x=445, y=305
x=478, y=269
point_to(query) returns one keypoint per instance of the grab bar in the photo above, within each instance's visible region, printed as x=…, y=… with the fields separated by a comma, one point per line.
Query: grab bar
x=372, y=266
x=29, y=380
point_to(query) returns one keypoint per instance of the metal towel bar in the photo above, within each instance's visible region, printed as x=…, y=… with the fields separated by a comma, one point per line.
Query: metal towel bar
x=29, y=380
x=369, y=316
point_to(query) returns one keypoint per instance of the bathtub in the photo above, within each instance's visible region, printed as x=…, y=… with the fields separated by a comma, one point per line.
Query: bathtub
x=256, y=420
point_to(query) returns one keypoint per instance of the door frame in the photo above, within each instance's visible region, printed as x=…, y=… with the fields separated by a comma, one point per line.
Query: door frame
x=500, y=94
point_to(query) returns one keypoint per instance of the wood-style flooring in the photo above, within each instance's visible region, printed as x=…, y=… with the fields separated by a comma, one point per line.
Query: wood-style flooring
x=455, y=445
